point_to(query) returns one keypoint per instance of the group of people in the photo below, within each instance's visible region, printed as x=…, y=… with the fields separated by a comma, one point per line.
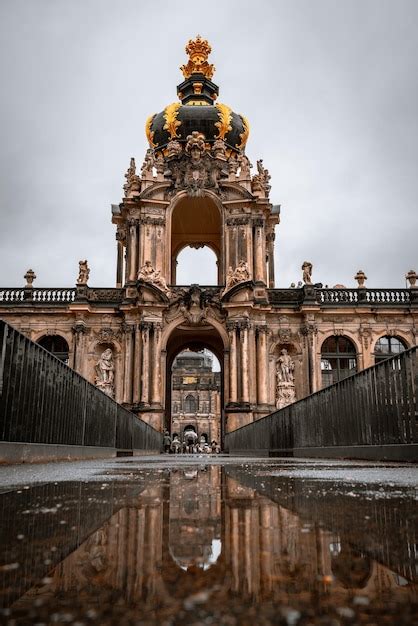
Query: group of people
x=189, y=445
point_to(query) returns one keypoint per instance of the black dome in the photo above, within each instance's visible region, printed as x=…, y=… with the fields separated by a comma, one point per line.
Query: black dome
x=197, y=110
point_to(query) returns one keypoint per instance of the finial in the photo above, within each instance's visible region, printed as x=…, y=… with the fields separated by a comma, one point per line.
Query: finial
x=198, y=51
x=411, y=277
x=361, y=278
x=29, y=277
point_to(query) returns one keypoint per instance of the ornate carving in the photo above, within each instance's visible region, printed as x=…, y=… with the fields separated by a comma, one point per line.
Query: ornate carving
x=225, y=118
x=148, y=163
x=121, y=233
x=238, y=221
x=83, y=273
x=30, y=276
x=284, y=334
x=150, y=133
x=148, y=274
x=171, y=122
x=152, y=221
x=198, y=51
x=174, y=149
x=195, y=305
x=239, y=275
x=105, y=373
x=258, y=222
x=133, y=183
x=108, y=334
x=245, y=167
x=307, y=272
x=260, y=181
x=285, y=380
x=219, y=149
x=245, y=133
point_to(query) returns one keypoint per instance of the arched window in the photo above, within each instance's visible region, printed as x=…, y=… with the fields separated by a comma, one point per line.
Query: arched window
x=338, y=359
x=386, y=347
x=197, y=264
x=190, y=404
x=56, y=345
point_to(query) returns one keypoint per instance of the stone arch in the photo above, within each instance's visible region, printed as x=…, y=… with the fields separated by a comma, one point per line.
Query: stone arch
x=398, y=335
x=194, y=220
x=178, y=337
x=338, y=364
x=56, y=343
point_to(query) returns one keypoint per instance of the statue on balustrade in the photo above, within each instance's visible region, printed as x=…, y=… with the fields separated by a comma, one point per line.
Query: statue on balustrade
x=150, y=275
x=83, y=273
x=307, y=273
x=285, y=380
x=105, y=373
x=239, y=275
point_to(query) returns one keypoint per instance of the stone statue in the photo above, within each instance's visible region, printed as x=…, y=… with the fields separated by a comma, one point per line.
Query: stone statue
x=285, y=368
x=195, y=146
x=307, y=273
x=148, y=163
x=174, y=149
x=239, y=275
x=260, y=181
x=149, y=275
x=83, y=273
x=105, y=373
x=285, y=380
x=133, y=183
x=219, y=149
x=245, y=166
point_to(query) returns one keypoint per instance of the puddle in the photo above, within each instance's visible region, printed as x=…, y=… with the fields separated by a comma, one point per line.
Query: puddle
x=195, y=543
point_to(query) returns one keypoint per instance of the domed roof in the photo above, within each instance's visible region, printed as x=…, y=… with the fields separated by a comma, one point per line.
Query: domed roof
x=197, y=110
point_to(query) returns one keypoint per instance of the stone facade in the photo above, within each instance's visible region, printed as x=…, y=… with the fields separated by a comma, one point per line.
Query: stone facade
x=196, y=396
x=196, y=189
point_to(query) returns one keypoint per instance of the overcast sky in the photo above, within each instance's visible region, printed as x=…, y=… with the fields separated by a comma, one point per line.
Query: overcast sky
x=329, y=87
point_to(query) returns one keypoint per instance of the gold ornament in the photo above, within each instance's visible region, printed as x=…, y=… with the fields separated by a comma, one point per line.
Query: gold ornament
x=150, y=133
x=171, y=123
x=244, y=135
x=225, y=118
x=198, y=51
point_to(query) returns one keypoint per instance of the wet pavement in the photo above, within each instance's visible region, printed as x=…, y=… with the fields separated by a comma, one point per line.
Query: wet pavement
x=209, y=540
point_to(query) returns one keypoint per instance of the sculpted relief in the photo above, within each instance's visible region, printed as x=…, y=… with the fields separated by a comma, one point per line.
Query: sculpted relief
x=105, y=373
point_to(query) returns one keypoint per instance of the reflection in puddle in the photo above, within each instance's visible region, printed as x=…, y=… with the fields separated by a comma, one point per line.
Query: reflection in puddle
x=206, y=545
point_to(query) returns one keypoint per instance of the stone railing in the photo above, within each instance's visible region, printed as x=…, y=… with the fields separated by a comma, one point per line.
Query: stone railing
x=52, y=296
x=59, y=295
x=342, y=297
x=12, y=294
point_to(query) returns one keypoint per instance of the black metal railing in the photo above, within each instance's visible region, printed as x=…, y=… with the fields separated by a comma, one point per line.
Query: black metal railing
x=375, y=407
x=42, y=400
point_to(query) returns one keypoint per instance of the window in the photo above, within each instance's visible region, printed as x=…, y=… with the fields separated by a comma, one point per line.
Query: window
x=190, y=404
x=338, y=359
x=56, y=345
x=386, y=347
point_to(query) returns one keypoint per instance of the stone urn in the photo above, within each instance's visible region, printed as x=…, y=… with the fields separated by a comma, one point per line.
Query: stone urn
x=361, y=278
x=411, y=277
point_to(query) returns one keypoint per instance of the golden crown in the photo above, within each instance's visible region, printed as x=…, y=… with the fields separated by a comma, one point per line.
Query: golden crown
x=198, y=50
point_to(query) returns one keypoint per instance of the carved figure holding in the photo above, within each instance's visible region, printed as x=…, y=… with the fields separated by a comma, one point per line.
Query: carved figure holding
x=307, y=273
x=149, y=275
x=239, y=275
x=105, y=372
x=219, y=149
x=285, y=368
x=245, y=165
x=133, y=183
x=83, y=273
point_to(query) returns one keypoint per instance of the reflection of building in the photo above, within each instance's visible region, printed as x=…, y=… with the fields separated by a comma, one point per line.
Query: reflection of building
x=196, y=187
x=196, y=395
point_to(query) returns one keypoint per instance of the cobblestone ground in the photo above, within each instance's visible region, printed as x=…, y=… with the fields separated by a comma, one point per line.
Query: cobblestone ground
x=185, y=539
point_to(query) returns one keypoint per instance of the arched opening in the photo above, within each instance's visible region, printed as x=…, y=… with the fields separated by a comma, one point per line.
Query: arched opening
x=194, y=392
x=338, y=359
x=196, y=222
x=197, y=266
x=388, y=346
x=57, y=345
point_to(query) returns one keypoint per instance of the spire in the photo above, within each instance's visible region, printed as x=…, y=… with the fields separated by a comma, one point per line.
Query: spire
x=198, y=50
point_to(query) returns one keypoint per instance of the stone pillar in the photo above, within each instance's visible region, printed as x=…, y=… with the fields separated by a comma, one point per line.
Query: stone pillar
x=156, y=365
x=79, y=330
x=133, y=250
x=127, y=382
x=136, y=395
x=145, y=329
x=270, y=247
x=245, y=386
x=259, y=251
x=233, y=390
x=119, y=262
x=261, y=363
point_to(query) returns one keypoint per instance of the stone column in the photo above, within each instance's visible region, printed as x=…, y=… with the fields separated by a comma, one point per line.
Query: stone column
x=133, y=251
x=128, y=329
x=156, y=365
x=119, y=262
x=261, y=360
x=245, y=387
x=270, y=246
x=259, y=250
x=233, y=392
x=145, y=329
x=136, y=395
x=79, y=330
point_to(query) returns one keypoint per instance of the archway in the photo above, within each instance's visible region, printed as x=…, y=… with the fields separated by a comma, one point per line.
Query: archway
x=196, y=222
x=196, y=264
x=194, y=382
x=57, y=345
